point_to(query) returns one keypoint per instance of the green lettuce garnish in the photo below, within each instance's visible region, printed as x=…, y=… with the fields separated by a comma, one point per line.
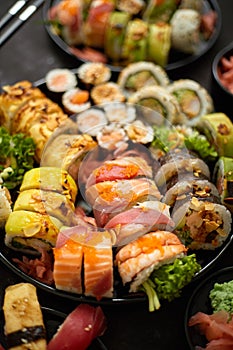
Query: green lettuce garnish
x=200, y=145
x=16, y=157
x=168, y=281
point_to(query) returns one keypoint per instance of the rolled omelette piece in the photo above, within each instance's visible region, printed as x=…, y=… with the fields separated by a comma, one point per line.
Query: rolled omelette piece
x=46, y=202
x=218, y=129
x=50, y=179
x=24, y=325
x=29, y=232
x=13, y=98
x=223, y=174
x=193, y=99
x=202, y=224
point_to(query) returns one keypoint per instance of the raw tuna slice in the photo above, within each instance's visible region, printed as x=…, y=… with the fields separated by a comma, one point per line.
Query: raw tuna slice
x=79, y=329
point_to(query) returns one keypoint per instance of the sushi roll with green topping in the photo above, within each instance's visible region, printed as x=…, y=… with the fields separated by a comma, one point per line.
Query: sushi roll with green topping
x=185, y=36
x=159, y=11
x=138, y=75
x=194, y=99
x=115, y=34
x=134, y=47
x=159, y=43
x=157, y=98
x=223, y=174
x=218, y=129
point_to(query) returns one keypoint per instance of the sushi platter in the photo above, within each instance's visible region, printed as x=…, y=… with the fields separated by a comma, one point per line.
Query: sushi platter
x=165, y=52
x=73, y=127
x=115, y=176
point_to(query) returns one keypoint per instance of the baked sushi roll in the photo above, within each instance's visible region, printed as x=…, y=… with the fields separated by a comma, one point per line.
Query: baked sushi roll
x=94, y=73
x=107, y=92
x=50, y=179
x=134, y=47
x=202, y=224
x=185, y=30
x=138, y=75
x=159, y=43
x=24, y=325
x=158, y=99
x=223, y=174
x=30, y=232
x=218, y=129
x=156, y=263
x=5, y=205
x=67, y=152
x=194, y=99
x=46, y=202
x=13, y=98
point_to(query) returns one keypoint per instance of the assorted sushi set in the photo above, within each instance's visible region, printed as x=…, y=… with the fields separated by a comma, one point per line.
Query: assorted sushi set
x=130, y=194
x=168, y=32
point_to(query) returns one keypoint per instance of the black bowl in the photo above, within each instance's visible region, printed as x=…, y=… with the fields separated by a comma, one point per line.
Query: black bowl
x=222, y=96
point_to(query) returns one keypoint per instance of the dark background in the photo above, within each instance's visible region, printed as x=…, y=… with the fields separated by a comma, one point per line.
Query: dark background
x=29, y=55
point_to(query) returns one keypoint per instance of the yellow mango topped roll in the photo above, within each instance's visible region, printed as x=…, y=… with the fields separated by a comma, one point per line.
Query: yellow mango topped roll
x=29, y=232
x=50, y=179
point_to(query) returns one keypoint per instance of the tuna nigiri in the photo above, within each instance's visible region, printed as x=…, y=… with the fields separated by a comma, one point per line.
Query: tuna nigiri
x=78, y=330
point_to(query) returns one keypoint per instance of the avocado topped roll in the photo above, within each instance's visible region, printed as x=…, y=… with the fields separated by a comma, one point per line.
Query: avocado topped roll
x=24, y=325
x=223, y=174
x=31, y=232
x=159, y=43
x=115, y=34
x=134, y=46
x=193, y=99
x=50, y=179
x=138, y=75
x=218, y=129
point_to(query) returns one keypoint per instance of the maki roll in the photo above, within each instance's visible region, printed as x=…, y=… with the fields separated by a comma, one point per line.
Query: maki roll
x=159, y=11
x=60, y=80
x=202, y=224
x=107, y=92
x=121, y=113
x=223, y=174
x=115, y=34
x=24, y=325
x=30, y=232
x=76, y=100
x=134, y=47
x=112, y=137
x=138, y=75
x=50, y=179
x=139, y=132
x=185, y=30
x=94, y=73
x=194, y=100
x=157, y=98
x=159, y=43
x=13, y=98
x=218, y=129
x=91, y=121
